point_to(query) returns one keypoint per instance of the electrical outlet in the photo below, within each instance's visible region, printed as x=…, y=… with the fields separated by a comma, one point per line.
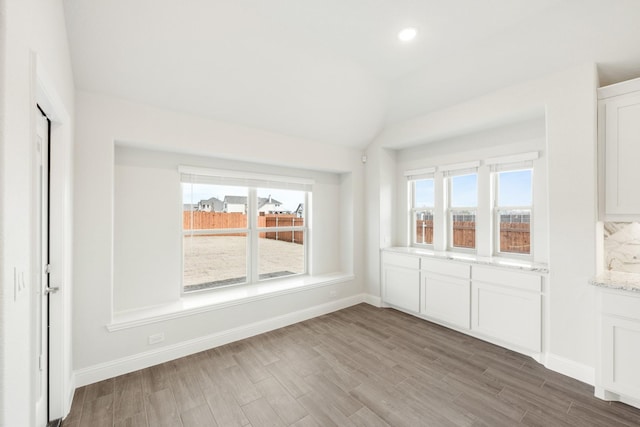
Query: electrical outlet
x=156, y=338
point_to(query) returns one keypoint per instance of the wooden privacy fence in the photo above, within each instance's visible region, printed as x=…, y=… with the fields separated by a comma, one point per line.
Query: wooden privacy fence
x=424, y=231
x=514, y=237
x=220, y=220
x=464, y=234
x=282, y=220
x=213, y=220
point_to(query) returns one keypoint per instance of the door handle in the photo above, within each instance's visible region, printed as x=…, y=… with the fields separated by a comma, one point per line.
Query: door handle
x=51, y=290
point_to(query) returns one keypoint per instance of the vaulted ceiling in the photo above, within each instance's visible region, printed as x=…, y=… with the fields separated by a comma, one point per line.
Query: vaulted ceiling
x=334, y=71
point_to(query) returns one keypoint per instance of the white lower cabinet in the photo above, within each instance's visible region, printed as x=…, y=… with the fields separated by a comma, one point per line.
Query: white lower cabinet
x=401, y=281
x=493, y=303
x=621, y=346
x=618, y=369
x=507, y=305
x=446, y=292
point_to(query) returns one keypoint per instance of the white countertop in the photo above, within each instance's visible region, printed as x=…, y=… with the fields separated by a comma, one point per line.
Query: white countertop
x=473, y=259
x=618, y=280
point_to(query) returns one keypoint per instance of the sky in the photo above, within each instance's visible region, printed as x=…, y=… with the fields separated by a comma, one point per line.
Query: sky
x=464, y=191
x=514, y=189
x=424, y=193
x=193, y=193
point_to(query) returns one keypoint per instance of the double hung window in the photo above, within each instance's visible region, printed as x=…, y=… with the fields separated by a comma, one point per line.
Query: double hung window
x=462, y=209
x=422, y=205
x=513, y=211
x=242, y=228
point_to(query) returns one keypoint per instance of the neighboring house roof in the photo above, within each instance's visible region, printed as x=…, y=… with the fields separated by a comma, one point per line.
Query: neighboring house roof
x=216, y=204
x=242, y=200
x=235, y=200
x=267, y=200
x=300, y=209
x=189, y=207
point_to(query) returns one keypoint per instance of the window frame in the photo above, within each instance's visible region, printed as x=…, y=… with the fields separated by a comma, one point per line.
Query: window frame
x=497, y=210
x=414, y=211
x=255, y=254
x=253, y=183
x=451, y=211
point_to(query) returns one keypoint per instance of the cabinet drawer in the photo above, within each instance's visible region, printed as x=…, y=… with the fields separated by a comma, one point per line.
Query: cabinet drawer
x=513, y=279
x=399, y=260
x=447, y=268
x=624, y=305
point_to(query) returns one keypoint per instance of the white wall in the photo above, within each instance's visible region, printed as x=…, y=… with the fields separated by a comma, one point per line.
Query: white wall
x=101, y=121
x=380, y=170
x=146, y=241
x=569, y=102
x=33, y=47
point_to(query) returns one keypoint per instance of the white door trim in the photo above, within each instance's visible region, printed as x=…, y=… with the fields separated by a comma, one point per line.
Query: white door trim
x=45, y=95
x=40, y=273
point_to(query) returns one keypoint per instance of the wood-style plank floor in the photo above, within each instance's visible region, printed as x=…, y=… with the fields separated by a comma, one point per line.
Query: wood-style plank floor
x=362, y=366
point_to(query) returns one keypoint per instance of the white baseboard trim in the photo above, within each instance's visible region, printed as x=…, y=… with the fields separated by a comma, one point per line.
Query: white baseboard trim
x=570, y=368
x=609, y=396
x=103, y=371
x=373, y=300
x=629, y=401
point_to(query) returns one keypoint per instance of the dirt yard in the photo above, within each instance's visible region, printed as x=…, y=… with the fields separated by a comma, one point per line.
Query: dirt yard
x=222, y=260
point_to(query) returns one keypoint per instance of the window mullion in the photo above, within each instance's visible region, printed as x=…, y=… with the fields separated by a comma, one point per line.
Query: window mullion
x=306, y=215
x=484, y=221
x=253, y=256
x=440, y=220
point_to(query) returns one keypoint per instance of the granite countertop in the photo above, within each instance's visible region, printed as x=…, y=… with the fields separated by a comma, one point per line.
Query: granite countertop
x=515, y=264
x=618, y=280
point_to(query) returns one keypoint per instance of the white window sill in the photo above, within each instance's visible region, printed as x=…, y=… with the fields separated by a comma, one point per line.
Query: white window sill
x=202, y=302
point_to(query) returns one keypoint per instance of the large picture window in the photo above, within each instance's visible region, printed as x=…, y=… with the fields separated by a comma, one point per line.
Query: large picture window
x=241, y=230
x=463, y=204
x=513, y=210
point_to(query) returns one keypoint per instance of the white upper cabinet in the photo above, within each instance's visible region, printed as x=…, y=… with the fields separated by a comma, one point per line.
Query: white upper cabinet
x=619, y=151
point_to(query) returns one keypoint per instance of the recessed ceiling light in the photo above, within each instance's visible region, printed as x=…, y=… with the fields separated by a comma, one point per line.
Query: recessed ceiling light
x=407, y=34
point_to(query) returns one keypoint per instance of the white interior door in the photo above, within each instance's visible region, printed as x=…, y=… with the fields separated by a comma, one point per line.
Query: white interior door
x=41, y=183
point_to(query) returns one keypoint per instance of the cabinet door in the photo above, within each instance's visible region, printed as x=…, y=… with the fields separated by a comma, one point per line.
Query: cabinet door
x=447, y=299
x=510, y=315
x=622, y=154
x=620, y=356
x=401, y=287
